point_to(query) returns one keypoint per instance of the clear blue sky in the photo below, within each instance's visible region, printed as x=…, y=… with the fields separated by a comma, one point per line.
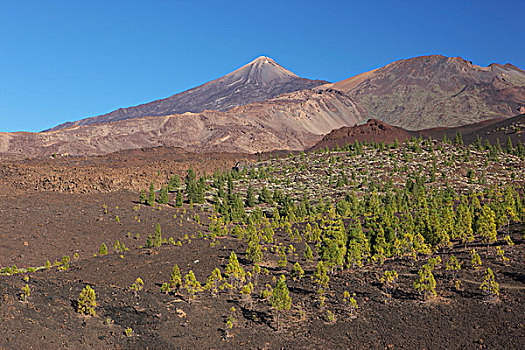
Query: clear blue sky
x=67, y=60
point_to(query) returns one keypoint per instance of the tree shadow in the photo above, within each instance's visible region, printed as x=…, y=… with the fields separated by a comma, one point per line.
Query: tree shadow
x=518, y=277
x=299, y=290
x=404, y=295
x=256, y=316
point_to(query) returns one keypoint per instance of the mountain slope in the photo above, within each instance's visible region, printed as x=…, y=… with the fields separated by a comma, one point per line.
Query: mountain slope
x=259, y=80
x=293, y=121
x=438, y=91
x=376, y=131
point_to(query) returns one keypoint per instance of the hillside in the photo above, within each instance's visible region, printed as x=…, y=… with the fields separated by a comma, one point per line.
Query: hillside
x=293, y=121
x=256, y=81
x=376, y=131
x=438, y=91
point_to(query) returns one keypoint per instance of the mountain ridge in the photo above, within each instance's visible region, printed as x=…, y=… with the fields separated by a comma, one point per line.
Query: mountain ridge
x=435, y=90
x=375, y=130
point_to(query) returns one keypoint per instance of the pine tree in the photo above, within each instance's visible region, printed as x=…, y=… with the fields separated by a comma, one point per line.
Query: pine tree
x=297, y=272
x=282, y=262
x=489, y=286
x=234, y=271
x=103, y=250
x=151, y=197
x=280, y=299
x=213, y=281
x=175, y=278
x=463, y=224
x=454, y=265
x=254, y=252
x=478, y=143
x=158, y=236
x=425, y=283
x=87, y=302
x=510, y=148
x=191, y=285
x=321, y=276
x=174, y=183
x=388, y=280
x=487, y=225
x=178, y=199
x=350, y=302
x=308, y=254
x=250, y=197
x=163, y=197
x=142, y=196
x=458, y=139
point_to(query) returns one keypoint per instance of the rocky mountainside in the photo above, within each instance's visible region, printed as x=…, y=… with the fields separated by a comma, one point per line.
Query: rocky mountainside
x=293, y=121
x=257, y=81
x=375, y=130
x=438, y=91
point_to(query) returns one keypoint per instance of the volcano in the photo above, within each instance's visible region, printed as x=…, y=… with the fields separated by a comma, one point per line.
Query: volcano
x=256, y=81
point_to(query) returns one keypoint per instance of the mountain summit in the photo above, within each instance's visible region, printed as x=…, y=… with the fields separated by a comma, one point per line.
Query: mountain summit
x=256, y=81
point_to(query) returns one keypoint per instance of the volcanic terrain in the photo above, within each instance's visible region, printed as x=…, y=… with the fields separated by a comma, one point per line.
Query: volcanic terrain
x=438, y=91
x=256, y=81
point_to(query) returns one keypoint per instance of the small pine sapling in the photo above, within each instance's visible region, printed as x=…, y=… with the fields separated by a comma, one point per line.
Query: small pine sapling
x=103, y=250
x=501, y=255
x=308, y=254
x=175, y=278
x=297, y=272
x=454, y=265
x=388, y=280
x=212, y=284
x=142, y=196
x=266, y=294
x=165, y=288
x=508, y=240
x=426, y=284
x=475, y=259
x=64, y=263
x=321, y=276
x=350, y=303
x=280, y=299
x=151, y=197
x=25, y=293
x=230, y=321
x=191, y=285
x=87, y=302
x=256, y=271
x=137, y=286
x=158, y=236
x=330, y=316
x=489, y=286
x=282, y=262
x=246, y=295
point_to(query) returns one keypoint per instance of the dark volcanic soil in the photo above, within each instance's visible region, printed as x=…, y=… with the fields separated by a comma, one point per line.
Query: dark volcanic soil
x=69, y=223
x=37, y=225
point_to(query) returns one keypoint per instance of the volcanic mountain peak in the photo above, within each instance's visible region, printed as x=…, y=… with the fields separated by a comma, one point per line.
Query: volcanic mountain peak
x=256, y=81
x=262, y=70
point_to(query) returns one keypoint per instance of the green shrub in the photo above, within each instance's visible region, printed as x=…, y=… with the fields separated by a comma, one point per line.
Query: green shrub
x=87, y=301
